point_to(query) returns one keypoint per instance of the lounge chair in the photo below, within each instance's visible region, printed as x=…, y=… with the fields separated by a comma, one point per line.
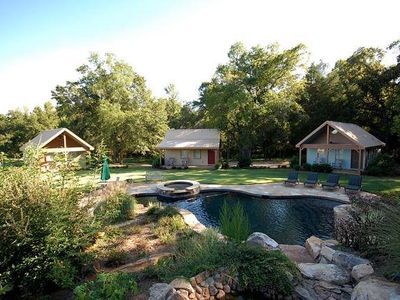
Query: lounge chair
x=354, y=183
x=332, y=181
x=312, y=179
x=293, y=178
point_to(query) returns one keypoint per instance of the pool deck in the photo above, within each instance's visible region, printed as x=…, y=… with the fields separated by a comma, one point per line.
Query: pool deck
x=268, y=190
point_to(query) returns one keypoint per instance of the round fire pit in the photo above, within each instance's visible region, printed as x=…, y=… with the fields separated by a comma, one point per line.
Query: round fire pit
x=178, y=189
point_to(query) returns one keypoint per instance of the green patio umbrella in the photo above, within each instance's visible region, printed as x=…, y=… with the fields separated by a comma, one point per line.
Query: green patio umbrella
x=105, y=169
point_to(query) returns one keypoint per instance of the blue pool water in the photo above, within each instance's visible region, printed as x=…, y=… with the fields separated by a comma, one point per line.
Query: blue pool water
x=288, y=221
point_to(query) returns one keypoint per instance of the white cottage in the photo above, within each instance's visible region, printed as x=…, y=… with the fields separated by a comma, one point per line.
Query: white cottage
x=191, y=147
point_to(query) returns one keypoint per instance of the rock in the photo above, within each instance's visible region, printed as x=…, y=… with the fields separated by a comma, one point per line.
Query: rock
x=178, y=296
x=227, y=289
x=210, y=281
x=304, y=293
x=326, y=272
x=360, y=271
x=184, y=292
x=220, y=295
x=198, y=289
x=217, y=277
x=199, y=296
x=263, y=240
x=297, y=253
x=219, y=285
x=205, y=292
x=192, y=296
x=376, y=289
x=160, y=291
x=193, y=282
x=327, y=253
x=200, y=278
x=331, y=243
x=213, y=290
x=313, y=246
x=181, y=283
x=203, y=284
x=347, y=260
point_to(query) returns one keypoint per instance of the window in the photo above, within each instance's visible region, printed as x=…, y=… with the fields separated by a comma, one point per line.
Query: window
x=184, y=154
x=197, y=154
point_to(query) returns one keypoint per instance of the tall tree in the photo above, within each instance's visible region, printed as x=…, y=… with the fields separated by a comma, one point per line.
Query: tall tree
x=252, y=98
x=110, y=102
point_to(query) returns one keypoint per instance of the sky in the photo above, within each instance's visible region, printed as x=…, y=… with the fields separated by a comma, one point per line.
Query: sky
x=42, y=42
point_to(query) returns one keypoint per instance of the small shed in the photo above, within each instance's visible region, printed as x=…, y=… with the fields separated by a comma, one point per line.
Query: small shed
x=60, y=140
x=191, y=147
x=342, y=145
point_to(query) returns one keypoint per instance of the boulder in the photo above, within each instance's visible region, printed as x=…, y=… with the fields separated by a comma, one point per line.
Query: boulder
x=360, y=271
x=263, y=240
x=181, y=283
x=160, y=291
x=313, y=246
x=327, y=253
x=297, y=253
x=325, y=272
x=376, y=289
x=347, y=260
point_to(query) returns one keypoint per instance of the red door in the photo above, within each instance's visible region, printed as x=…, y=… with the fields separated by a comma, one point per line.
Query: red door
x=211, y=157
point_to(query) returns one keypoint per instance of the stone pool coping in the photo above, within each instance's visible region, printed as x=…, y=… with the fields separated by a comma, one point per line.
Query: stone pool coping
x=266, y=190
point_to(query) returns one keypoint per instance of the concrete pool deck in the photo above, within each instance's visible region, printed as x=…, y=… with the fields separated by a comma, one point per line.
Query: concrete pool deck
x=268, y=190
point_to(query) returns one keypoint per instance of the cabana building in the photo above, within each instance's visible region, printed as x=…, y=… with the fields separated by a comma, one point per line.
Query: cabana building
x=342, y=145
x=60, y=140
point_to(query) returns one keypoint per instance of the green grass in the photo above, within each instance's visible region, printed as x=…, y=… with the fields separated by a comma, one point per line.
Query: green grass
x=386, y=185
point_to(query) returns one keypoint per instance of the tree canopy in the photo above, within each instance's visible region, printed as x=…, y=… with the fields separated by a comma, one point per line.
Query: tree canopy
x=263, y=99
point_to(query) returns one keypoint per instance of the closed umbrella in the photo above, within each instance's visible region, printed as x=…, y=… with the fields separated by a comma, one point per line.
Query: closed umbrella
x=105, y=170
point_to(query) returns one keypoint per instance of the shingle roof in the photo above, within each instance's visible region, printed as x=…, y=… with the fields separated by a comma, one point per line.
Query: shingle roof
x=191, y=139
x=46, y=136
x=352, y=131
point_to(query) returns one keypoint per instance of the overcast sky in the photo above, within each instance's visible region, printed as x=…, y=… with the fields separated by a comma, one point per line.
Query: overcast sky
x=179, y=42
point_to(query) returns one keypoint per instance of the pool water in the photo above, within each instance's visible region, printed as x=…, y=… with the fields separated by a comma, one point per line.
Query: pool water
x=288, y=221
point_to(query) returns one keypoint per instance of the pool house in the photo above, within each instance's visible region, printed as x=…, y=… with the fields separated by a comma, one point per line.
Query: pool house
x=345, y=146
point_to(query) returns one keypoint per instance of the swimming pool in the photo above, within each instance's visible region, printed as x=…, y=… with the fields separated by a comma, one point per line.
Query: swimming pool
x=288, y=221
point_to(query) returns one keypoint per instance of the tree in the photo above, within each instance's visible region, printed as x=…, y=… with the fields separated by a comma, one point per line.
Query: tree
x=110, y=102
x=19, y=126
x=252, y=98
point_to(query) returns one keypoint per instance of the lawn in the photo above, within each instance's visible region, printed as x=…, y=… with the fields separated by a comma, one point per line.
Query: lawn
x=241, y=176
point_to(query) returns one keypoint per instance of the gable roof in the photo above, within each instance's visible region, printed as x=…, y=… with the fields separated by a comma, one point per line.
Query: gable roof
x=43, y=138
x=351, y=131
x=191, y=139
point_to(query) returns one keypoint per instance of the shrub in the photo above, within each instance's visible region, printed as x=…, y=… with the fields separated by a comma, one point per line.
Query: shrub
x=116, y=207
x=306, y=167
x=388, y=237
x=257, y=269
x=356, y=232
x=382, y=165
x=167, y=227
x=261, y=270
x=244, y=161
x=294, y=161
x=155, y=162
x=234, y=222
x=107, y=286
x=321, y=168
x=225, y=164
x=44, y=231
x=218, y=165
x=157, y=212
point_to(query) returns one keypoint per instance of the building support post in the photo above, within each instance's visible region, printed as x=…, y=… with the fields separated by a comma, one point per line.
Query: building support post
x=300, y=156
x=359, y=161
